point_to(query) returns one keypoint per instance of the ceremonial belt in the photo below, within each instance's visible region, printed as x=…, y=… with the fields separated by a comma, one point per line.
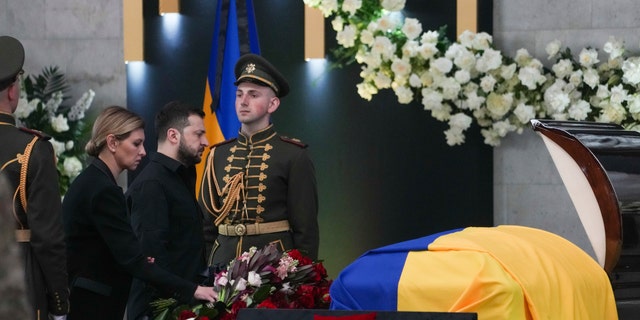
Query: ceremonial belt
x=23, y=235
x=236, y=230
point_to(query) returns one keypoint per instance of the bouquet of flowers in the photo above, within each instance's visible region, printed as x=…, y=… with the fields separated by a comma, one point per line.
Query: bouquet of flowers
x=265, y=278
x=42, y=107
x=469, y=80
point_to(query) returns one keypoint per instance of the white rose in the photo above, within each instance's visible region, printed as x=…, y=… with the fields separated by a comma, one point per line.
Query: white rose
x=553, y=48
x=366, y=37
x=530, y=77
x=351, y=6
x=72, y=167
x=454, y=136
x=337, y=23
x=347, y=36
x=487, y=83
x=387, y=23
x=412, y=28
x=401, y=67
x=254, y=279
x=58, y=147
x=328, y=7
x=588, y=57
x=429, y=37
x=466, y=38
x=59, y=123
x=462, y=76
x=631, y=70
x=415, y=81
x=443, y=65
x=25, y=108
x=431, y=99
x=404, y=94
x=579, y=110
x=591, y=77
x=410, y=49
x=450, y=88
x=562, y=68
x=393, y=5
x=427, y=50
x=614, y=48
x=69, y=145
x=366, y=90
x=490, y=60
x=499, y=104
x=382, y=81
x=474, y=102
x=482, y=41
x=524, y=113
x=460, y=121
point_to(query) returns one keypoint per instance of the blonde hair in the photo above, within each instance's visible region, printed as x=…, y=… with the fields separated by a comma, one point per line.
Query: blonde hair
x=114, y=120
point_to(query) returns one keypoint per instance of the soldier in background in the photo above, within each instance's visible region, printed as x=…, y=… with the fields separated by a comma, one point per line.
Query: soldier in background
x=28, y=161
x=13, y=304
x=260, y=187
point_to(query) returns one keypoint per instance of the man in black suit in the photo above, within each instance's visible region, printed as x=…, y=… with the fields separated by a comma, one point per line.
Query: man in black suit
x=28, y=161
x=164, y=211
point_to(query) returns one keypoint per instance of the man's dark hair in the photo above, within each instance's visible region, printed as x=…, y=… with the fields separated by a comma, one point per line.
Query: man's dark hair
x=174, y=114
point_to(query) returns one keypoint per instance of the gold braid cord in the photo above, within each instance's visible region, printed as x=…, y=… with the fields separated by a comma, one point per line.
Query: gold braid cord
x=233, y=190
x=24, y=161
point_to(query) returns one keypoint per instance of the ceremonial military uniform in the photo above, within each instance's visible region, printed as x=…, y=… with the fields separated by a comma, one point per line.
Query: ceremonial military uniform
x=28, y=162
x=257, y=190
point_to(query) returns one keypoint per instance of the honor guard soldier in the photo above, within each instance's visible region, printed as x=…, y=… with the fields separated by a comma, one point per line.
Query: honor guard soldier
x=28, y=163
x=260, y=187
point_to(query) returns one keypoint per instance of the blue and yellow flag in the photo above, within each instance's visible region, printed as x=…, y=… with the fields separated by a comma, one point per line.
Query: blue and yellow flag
x=504, y=272
x=235, y=33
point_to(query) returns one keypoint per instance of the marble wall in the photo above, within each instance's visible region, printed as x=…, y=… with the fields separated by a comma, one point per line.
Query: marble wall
x=527, y=187
x=82, y=37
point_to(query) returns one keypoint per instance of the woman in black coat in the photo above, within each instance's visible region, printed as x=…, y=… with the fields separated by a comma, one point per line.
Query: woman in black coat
x=103, y=251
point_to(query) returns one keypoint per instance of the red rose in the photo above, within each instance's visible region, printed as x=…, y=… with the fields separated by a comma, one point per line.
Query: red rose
x=267, y=304
x=186, y=314
x=239, y=304
x=302, y=260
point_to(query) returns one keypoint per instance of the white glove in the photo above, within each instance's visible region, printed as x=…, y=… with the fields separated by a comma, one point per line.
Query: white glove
x=63, y=317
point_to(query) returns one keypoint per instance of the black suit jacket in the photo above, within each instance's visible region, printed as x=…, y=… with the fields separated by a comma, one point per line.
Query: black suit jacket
x=103, y=252
x=167, y=219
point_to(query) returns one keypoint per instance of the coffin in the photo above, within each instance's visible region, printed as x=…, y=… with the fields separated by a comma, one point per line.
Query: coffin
x=600, y=167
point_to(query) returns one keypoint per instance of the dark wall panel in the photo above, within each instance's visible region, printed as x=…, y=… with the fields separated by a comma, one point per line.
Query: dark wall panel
x=385, y=172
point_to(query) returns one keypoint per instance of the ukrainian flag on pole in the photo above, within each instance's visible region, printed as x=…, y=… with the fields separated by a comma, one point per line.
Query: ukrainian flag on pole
x=235, y=33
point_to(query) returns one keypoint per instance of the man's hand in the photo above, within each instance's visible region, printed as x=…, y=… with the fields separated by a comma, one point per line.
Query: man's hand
x=205, y=293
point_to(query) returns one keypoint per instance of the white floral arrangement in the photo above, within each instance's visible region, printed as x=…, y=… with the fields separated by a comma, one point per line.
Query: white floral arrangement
x=41, y=107
x=469, y=80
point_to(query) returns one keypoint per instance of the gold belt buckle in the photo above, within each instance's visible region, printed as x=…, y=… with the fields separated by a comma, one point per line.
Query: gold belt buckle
x=240, y=229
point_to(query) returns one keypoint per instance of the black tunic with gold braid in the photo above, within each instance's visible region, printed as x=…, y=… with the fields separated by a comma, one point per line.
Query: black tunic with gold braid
x=39, y=230
x=257, y=190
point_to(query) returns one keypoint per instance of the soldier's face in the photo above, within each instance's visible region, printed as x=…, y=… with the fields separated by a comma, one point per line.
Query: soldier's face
x=130, y=151
x=192, y=142
x=254, y=103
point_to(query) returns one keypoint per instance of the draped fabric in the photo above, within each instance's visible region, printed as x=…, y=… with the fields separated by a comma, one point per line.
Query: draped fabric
x=504, y=272
x=235, y=33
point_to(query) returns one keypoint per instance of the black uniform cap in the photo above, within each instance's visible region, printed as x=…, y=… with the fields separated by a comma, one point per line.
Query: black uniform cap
x=11, y=60
x=254, y=68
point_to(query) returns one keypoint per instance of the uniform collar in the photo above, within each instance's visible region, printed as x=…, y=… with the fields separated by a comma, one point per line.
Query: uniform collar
x=262, y=135
x=7, y=118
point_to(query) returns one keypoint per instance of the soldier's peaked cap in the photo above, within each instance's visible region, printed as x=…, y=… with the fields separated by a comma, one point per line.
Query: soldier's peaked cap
x=11, y=58
x=254, y=68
